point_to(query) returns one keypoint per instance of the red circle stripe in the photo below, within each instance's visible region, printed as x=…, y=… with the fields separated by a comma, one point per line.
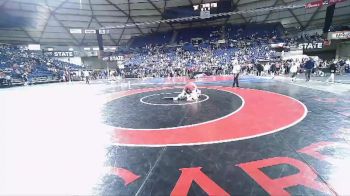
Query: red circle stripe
x=263, y=113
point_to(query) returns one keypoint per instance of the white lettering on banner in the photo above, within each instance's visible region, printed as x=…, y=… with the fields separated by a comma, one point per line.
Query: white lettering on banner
x=60, y=54
x=64, y=54
x=310, y=46
x=314, y=4
x=300, y=46
x=114, y=58
x=341, y=35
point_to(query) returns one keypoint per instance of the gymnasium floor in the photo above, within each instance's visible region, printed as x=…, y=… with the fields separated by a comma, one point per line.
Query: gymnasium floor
x=122, y=138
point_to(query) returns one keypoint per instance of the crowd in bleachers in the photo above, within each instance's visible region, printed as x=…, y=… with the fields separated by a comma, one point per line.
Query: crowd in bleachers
x=249, y=44
x=161, y=62
x=155, y=38
x=22, y=67
x=167, y=54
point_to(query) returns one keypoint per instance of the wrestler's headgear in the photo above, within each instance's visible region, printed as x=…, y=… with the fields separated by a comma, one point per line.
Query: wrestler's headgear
x=188, y=90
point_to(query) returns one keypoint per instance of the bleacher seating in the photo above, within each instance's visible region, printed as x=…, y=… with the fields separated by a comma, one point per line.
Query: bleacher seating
x=24, y=66
x=154, y=39
x=207, y=33
x=244, y=42
x=210, y=33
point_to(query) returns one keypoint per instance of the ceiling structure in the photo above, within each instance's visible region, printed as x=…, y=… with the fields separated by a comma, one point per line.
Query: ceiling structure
x=48, y=22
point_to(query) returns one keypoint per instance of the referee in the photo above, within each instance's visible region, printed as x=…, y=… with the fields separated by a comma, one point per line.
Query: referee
x=235, y=71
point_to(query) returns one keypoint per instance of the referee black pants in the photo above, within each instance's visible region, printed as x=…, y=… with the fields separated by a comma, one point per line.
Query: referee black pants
x=235, y=80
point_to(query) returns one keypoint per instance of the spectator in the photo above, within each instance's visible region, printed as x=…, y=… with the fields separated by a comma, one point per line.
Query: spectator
x=294, y=70
x=87, y=77
x=236, y=70
x=273, y=70
x=332, y=69
x=309, y=65
x=8, y=80
x=259, y=68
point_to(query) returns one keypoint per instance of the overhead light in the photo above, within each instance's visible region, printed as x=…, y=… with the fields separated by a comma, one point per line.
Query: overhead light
x=103, y=31
x=49, y=49
x=87, y=49
x=71, y=49
x=75, y=31
x=95, y=49
x=90, y=31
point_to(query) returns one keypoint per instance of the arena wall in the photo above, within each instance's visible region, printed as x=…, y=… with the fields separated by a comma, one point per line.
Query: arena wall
x=343, y=50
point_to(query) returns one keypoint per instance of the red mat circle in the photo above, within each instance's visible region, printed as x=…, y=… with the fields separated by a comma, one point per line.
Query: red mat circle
x=263, y=113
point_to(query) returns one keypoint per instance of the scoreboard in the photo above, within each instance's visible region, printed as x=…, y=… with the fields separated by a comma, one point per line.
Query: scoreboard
x=216, y=7
x=204, y=9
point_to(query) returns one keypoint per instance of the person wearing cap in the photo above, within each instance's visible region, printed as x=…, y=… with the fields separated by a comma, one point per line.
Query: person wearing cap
x=189, y=93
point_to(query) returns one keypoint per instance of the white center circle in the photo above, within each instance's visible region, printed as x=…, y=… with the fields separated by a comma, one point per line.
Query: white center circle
x=175, y=103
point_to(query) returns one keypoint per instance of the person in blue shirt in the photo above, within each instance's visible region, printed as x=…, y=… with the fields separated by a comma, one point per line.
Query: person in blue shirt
x=309, y=65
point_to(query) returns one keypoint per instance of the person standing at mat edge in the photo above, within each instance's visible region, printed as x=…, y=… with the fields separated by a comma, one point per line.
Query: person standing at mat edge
x=309, y=65
x=332, y=69
x=236, y=70
x=294, y=70
x=87, y=77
